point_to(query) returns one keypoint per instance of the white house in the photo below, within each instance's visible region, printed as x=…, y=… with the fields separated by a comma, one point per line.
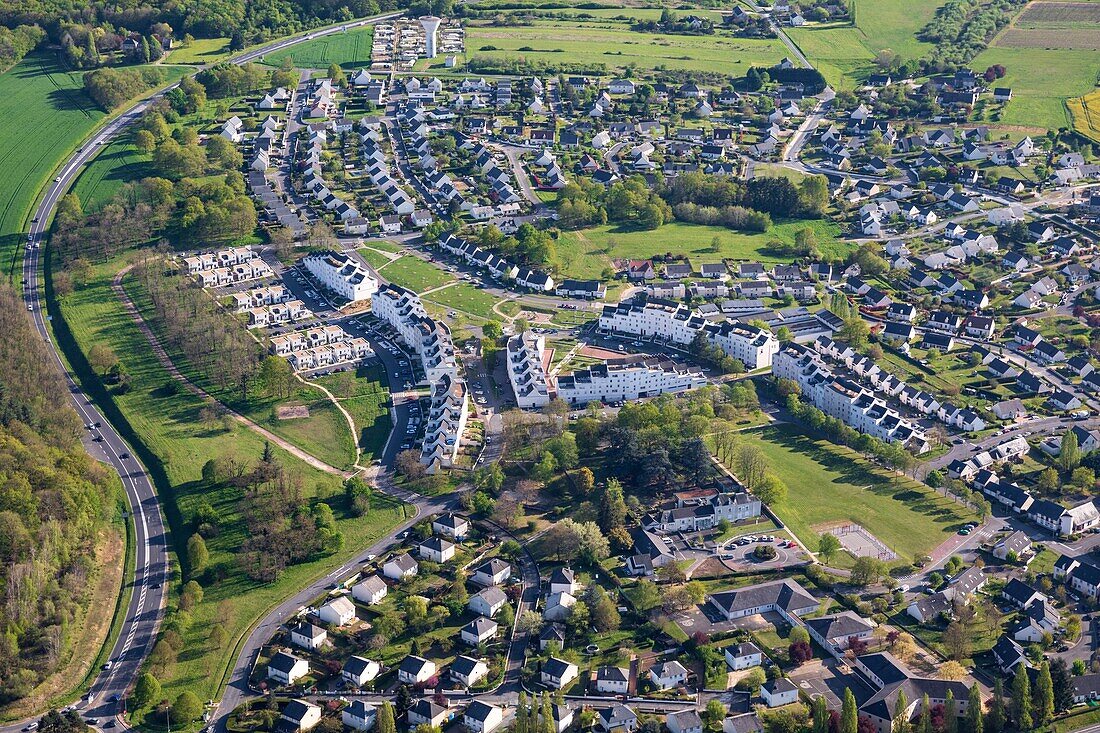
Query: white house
x=400, y=567
x=286, y=669
x=370, y=590
x=359, y=671
x=557, y=673
x=337, y=612
x=684, y=721
x=436, y=549
x=612, y=680
x=308, y=636
x=558, y=606
x=468, y=671
x=667, y=675
x=478, y=631
x=481, y=717
x=743, y=656
x=301, y=715
x=358, y=715
x=342, y=275
x=488, y=602
x=492, y=572
x=414, y=670
x=452, y=526
x=780, y=691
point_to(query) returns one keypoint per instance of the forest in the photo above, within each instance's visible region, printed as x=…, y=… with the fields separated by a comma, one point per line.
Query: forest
x=54, y=502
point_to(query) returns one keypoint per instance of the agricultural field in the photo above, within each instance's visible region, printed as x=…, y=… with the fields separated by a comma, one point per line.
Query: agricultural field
x=415, y=274
x=349, y=50
x=1086, y=115
x=615, y=46
x=1041, y=81
x=175, y=445
x=829, y=484
x=46, y=114
x=585, y=253
x=116, y=164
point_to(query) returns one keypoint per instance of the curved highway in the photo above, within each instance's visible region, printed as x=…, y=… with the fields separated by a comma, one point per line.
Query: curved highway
x=106, y=694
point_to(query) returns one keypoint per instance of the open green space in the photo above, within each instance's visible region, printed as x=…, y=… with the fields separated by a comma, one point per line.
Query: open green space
x=117, y=163
x=1041, y=81
x=615, y=46
x=415, y=274
x=585, y=253
x=349, y=50
x=201, y=51
x=363, y=393
x=467, y=299
x=829, y=484
x=46, y=114
x=373, y=257
x=164, y=427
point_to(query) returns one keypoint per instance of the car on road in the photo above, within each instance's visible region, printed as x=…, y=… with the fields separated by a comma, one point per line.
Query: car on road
x=57, y=180
x=32, y=726
x=115, y=697
x=124, y=456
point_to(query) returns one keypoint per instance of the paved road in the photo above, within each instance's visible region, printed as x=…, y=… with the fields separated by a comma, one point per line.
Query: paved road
x=151, y=567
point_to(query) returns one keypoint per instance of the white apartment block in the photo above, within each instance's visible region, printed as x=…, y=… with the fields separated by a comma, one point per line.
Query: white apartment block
x=630, y=381
x=213, y=260
x=342, y=275
x=755, y=347
x=450, y=408
x=241, y=272
x=256, y=297
x=430, y=339
x=844, y=399
x=526, y=370
x=270, y=315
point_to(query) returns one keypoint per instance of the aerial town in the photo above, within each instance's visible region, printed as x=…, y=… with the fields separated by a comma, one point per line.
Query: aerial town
x=551, y=367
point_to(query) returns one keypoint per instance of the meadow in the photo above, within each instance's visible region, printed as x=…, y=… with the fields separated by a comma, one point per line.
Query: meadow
x=46, y=114
x=201, y=51
x=615, y=46
x=830, y=484
x=366, y=402
x=1041, y=81
x=116, y=164
x=585, y=253
x=467, y=299
x=349, y=50
x=164, y=429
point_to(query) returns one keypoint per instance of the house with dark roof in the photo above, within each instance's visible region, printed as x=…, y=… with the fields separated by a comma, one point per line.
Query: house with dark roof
x=786, y=597
x=890, y=678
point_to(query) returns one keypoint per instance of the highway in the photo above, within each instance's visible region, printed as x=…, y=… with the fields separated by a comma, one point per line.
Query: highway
x=152, y=563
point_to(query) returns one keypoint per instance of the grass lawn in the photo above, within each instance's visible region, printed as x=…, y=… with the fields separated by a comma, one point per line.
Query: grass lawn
x=614, y=45
x=1041, y=80
x=201, y=51
x=174, y=445
x=350, y=50
x=366, y=402
x=415, y=274
x=466, y=298
x=830, y=484
x=585, y=253
x=46, y=114
x=373, y=257
x=116, y=164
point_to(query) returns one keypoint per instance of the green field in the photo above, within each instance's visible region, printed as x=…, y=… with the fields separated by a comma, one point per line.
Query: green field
x=116, y=164
x=584, y=253
x=174, y=445
x=844, y=54
x=614, y=45
x=466, y=298
x=1041, y=81
x=349, y=50
x=201, y=51
x=830, y=484
x=415, y=274
x=366, y=403
x=46, y=114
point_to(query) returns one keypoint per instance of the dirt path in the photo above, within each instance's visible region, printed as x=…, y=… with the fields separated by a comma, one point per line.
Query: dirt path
x=167, y=363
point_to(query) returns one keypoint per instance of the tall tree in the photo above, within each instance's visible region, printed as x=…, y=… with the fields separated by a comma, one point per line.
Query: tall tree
x=849, y=715
x=1044, y=696
x=386, y=722
x=1069, y=454
x=1063, y=684
x=1021, y=699
x=925, y=715
x=997, y=717
x=901, y=722
x=950, y=714
x=612, y=506
x=821, y=715
x=974, y=710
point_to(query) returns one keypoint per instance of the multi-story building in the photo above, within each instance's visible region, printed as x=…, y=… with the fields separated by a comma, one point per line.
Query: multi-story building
x=628, y=381
x=678, y=324
x=527, y=371
x=446, y=420
x=340, y=274
x=430, y=339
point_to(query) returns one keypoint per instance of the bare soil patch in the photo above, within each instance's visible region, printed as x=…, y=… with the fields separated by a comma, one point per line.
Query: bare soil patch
x=291, y=412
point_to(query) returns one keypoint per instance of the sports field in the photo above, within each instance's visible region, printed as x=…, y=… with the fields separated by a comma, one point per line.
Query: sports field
x=615, y=46
x=46, y=113
x=585, y=253
x=349, y=50
x=829, y=484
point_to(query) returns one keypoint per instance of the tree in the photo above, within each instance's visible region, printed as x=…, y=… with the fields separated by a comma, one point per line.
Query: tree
x=901, y=722
x=751, y=466
x=950, y=716
x=772, y=490
x=974, y=710
x=187, y=707
x=197, y=554
x=952, y=670
x=828, y=546
x=1062, y=684
x=1048, y=481
x=1069, y=456
x=925, y=715
x=1021, y=699
x=867, y=570
x=646, y=595
x=1044, y=696
x=146, y=691
x=997, y=716
x=849, y=714
x=337, y=75
x=713, y=715
x=821, y=715
x=605, y=616
x=957, y=640
x=386, y=722
x=612, y=506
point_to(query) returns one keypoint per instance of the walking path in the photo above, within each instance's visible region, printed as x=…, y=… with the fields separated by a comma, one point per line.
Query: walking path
x=166, y=361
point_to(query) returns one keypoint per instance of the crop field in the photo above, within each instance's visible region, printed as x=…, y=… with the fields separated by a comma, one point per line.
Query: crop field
x=585, y=253
x=46, y=113
x=1071, y=14
x=615, y=46
x=349, y=50
x=1041, y=81
x=1077, y=39
x=829, y=484
x=1086, y=115
x=415, y=274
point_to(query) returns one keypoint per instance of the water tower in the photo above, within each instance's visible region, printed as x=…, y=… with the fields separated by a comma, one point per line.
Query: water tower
x=431, y=28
